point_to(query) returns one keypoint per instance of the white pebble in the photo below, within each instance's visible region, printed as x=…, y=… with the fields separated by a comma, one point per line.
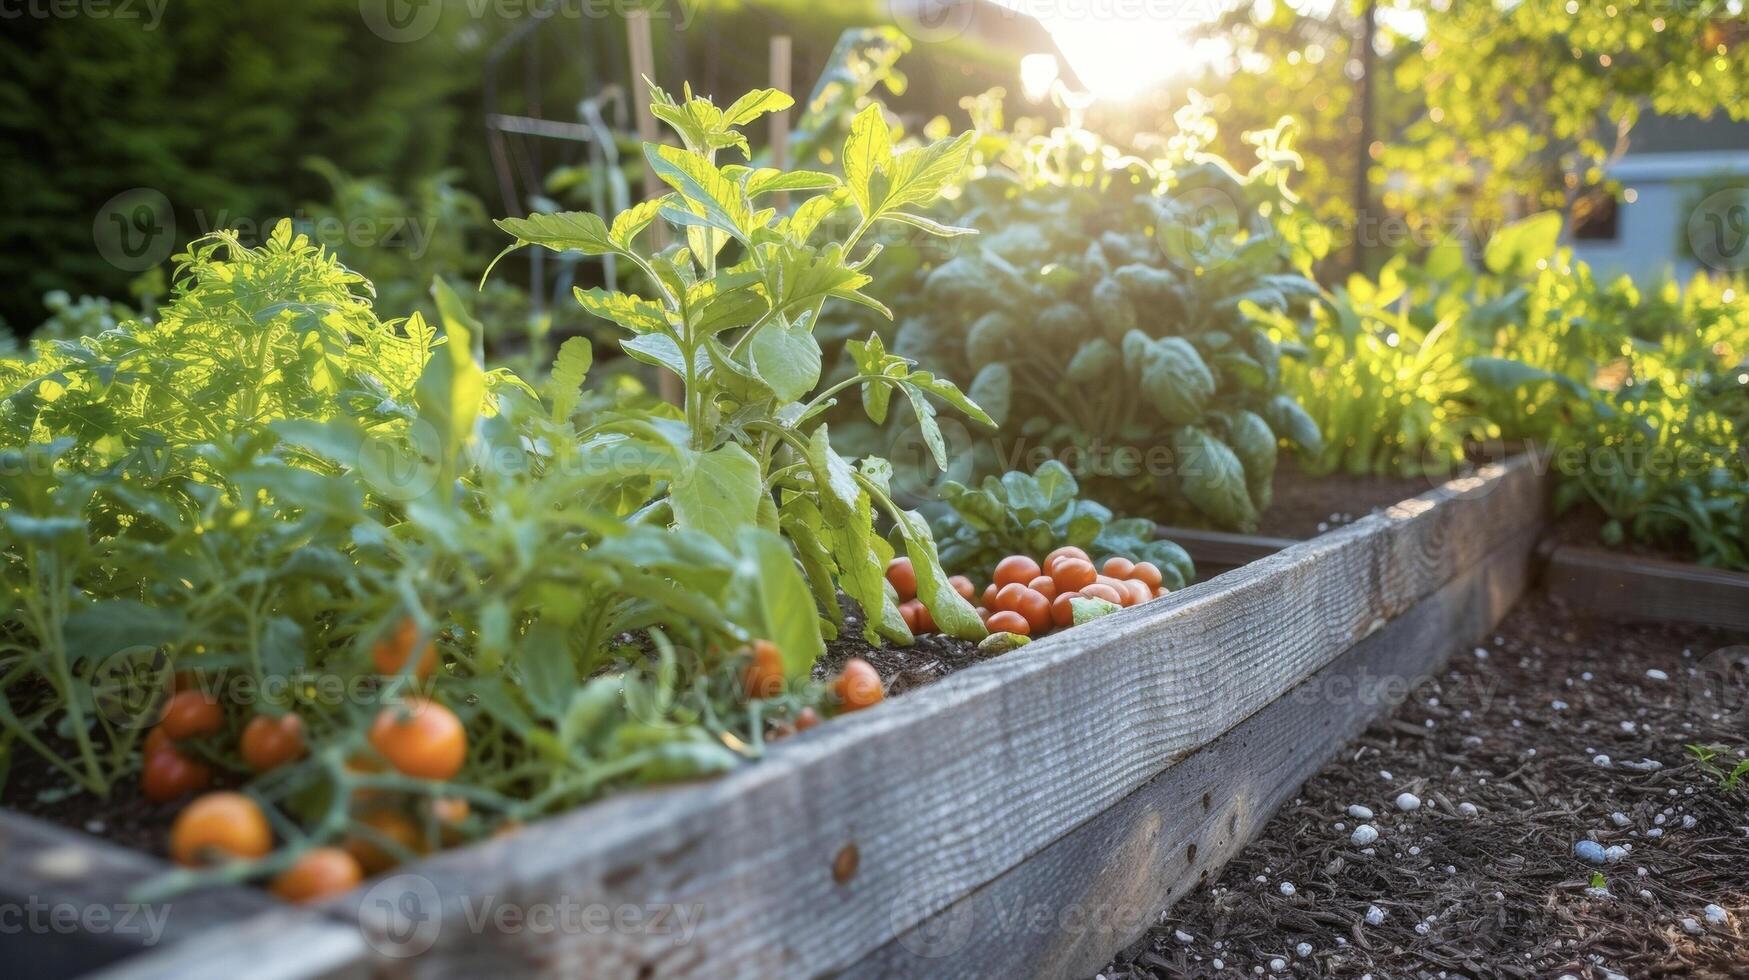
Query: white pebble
x=1217, y=964
x=1600, y=760
x=1359, y=812
x=1688, y=822
x=1414, y=851
x=1629, y=727
x=1657, y=675
x=1691, y=927
x=1364, y=834
x=1558, y=705
x=1287, y=888
x=1467, y=809
x=1341, y=825
x=1374, y=915
x=1655, y=832
x=1715, y=915
x=1408, y=802
x=1421, y=927
x=1646, y=894
x=1182, y=936
x=1619, y=818
x=1277, y=965
x=1385, y=774
x=1481, y=654
x=1303, y=949
x=1614, y=853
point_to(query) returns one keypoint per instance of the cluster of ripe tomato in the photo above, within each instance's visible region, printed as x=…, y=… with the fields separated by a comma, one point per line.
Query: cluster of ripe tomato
x=1031, y=599
x=417, y=737
x=857, y=685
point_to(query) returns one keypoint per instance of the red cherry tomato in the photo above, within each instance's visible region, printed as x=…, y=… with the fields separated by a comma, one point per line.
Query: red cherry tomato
x=963, y=586
x=191, y=713
x=168, y=774
x=1148, y=574
x=1009, y=621
x=1101, y=591
x=1063, y=614
x=1134, y=593
x=1008, y=597
x=988, y=599
x=763, y=677
x=1044, y=585
x=858, y=686
x=1118, y=566
x=1037, y=610
x=422, y=739
x=1067, y=551
x=1073, y=574
x=269, y=742
x=1016, y=569
x=903, y=578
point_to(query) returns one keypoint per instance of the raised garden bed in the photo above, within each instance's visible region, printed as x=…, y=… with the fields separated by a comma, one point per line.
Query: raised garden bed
x=1157, y=741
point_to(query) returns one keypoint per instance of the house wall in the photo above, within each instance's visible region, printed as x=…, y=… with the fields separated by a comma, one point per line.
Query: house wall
x=1651, y=232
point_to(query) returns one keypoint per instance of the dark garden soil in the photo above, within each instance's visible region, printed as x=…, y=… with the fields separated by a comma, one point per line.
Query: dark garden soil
x=1307, y=506
x=932, y=657
x=35, y=787
x=1557, y=731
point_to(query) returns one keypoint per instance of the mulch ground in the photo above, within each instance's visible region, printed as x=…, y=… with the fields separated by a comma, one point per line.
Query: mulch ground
x=1304, y=506
x=1557, y=731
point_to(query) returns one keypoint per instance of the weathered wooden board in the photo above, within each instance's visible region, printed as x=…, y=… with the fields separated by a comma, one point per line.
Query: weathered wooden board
x=849, y=836
x=855, y=833
x=1608, y=583
x=67, y=907
x=1219, y=551
x=1064, y=912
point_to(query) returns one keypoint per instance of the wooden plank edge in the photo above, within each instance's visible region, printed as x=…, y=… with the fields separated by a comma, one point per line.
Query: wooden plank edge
x=1068, y=909
x=657, y=849
x=286, y=944
x=73, y=895
x=754, y=852
x=1629, y=587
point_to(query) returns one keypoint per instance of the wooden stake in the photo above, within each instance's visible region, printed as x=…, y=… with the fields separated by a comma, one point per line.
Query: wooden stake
x=644, y=66
x=780, y=80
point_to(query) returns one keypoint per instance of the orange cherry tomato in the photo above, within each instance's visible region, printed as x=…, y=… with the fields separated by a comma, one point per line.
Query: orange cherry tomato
x=806, y=719
x=1044, y=585
x=1063, y=614
x=1111, y=582
x=903, y=578
x=168, y=774
x=963, y=586
x=925, y=620
x=908, y=613
x=1016, y=569
x=1099, y=590
x=191, y=713
x=1067, y=551
x=1037, y=610
x=1161, y=591
x=1134, y=593
x=763, y=677
x=1148, y=574
x=318, y=874
x=1009, y=598
x=858, y=685
x=219, y=826
x=270, y=742
x=390, y=654
x=1072, y=574
x=422, y=739
x=1118, y=566
x=372, y=856
x=988, y=599
x=1009, y=621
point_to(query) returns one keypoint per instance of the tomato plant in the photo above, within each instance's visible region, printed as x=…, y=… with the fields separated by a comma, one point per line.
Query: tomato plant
x=730, y=309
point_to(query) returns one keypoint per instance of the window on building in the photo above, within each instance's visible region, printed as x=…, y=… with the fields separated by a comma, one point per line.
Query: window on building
x=1596, y=218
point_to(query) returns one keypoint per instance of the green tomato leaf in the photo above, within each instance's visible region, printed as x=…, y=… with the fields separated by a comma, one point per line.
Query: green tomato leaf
x=717, y=492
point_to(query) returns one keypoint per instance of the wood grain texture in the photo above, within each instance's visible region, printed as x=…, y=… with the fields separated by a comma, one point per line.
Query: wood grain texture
x=1069, y=908
x=73, y=908
x=1621, y=586
x=855, y=833
x=941, y=791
